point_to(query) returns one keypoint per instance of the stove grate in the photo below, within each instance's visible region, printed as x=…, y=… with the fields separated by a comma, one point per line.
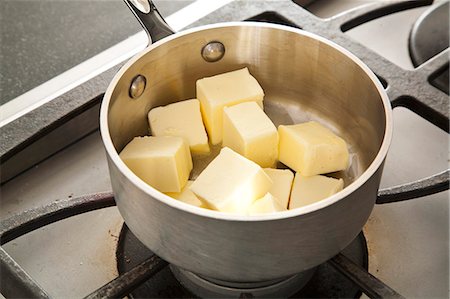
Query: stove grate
x=408, y=88
x=17, y=283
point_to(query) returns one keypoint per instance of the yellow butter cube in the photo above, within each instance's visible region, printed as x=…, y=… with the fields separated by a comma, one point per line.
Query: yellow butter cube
x=250, y=132
x=186, y=195
x=267, y=204
x=227, y=89
x=311, y=189
x=162, y=162
x=282, y=183
x=310, y=148
x=230, y=183
x=181, y=119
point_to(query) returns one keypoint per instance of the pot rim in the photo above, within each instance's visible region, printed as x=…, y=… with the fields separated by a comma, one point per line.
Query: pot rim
x=366, y=175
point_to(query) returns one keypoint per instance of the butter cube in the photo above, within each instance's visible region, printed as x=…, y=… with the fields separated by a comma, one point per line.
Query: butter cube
x=250, y=132
x=181, y=119
x=308, y=190
x=310, y=148
x=230, y=183
x=224, y=90
x=266, y=204
x=186, y=195
x=162, y=162
x=282, y=183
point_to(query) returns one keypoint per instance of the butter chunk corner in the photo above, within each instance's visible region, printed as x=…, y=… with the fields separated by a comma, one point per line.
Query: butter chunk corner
x=311, y=189
x=230, y=183
x=311, y=148
x=250, y=132
x=181, y=119
x=267, y=204
x=163, y=162
x=186, y=195
x=226, y=89
x=282, y=184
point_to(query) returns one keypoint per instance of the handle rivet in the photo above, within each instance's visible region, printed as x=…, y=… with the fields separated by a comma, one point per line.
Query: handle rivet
x=213, y=51
x=142, y=5
x=137, y=86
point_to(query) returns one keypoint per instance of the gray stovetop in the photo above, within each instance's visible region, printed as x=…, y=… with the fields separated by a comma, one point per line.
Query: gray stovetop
x=41, y=39
x=408, y=241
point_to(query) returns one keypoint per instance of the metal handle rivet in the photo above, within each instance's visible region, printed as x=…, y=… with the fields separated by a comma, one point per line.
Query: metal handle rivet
x=213, y=51
x=137, y=86
x=142, y=5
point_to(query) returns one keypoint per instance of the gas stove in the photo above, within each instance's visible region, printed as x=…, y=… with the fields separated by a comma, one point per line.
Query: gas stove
x=59, y=242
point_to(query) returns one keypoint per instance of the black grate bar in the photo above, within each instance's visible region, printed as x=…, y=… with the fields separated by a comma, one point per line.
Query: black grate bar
x=429, y=102
x=401, y=82
x=127, y=282
x=360, y=15
x=30, y=220
x=435, y=64
x=369, y=284
x=12, y=276
x=420, y=108
x=15, y=282
x=244, y=10
x=434, y=184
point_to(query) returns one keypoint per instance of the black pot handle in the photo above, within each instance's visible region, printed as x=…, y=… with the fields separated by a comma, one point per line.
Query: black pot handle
x=150, y=19
x=427, y=186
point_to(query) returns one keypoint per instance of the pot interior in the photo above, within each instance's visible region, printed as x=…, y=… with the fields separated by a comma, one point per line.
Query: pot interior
x=303, y=77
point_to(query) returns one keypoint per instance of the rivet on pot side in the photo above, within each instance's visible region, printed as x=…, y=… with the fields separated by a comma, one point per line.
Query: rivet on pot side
x=137, y=86
x=213, y=51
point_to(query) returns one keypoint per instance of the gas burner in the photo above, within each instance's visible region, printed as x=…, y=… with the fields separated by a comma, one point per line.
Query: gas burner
x=172, y=282
x=141, y=270
x=211, y=288
x=144, y=274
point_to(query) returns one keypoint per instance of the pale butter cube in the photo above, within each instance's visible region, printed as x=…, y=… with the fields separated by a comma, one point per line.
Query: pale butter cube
x=282, y=184
x=186, y=195
x=266, y=204
x=227, y=89
x=230, y=183
x=310, y=148
x=250, y=132
x=311, y=189
x=163, y=162
x=182, y=119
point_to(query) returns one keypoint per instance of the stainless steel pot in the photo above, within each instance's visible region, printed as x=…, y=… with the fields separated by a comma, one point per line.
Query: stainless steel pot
x=304, y=77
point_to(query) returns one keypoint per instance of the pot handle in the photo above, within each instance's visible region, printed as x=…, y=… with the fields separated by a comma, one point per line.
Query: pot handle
x=150, y=19
x=427, y=186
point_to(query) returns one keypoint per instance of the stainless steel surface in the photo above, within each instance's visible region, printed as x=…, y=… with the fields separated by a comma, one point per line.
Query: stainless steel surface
x=125, y=283
x=137, y=86
x=213, y=51
x=79, y=124
x=303, y=76
x=26, y=121
x=13, y=275
x=203, y=288
x=428, y=37
x=89, y=240
x=369, y=284
x=150, y=18
x=142, y=5
x=408, y=241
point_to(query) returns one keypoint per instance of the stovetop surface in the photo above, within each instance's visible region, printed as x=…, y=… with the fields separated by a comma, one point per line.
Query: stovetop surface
x=78, y=31
x=408, y=241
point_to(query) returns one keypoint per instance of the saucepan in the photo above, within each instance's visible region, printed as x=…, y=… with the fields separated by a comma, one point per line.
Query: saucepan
x=304, y=77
